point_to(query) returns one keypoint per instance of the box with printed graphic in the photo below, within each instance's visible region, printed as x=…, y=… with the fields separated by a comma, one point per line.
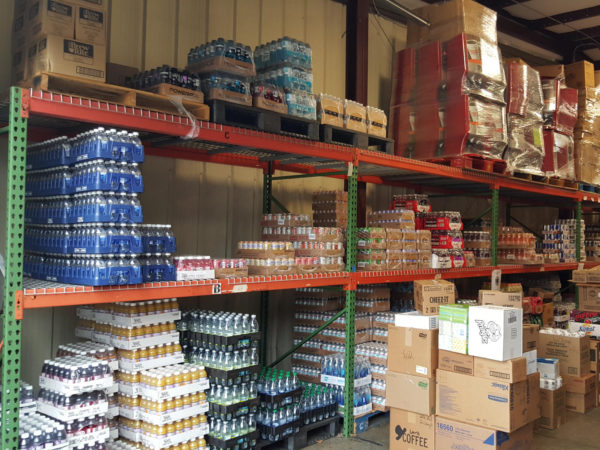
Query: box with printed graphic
x=411, y=431
x=495, y=332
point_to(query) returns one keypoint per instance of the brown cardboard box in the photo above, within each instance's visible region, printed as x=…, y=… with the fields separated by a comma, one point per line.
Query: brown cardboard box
x=51, y=17
x=479, y=401
x=451, y=18
x=573, y=352
x=430, y=294
x=594, y=347
x=589, y=298
x=498, y=298
x=411, y=431
x=414, y=352
x=530, y=336
x=551, y=71
x=548, y=314
x=451, y=434
x=18, y=69
x=410, y=392
x=580, y=75
x=586, y=167
x=533, y=397
x=553, y=408
x=597, y=77
x=512, y=371
x=580, y=403
x=456, y=362
x=69, y=57
x=90, y=24
x=581, y=385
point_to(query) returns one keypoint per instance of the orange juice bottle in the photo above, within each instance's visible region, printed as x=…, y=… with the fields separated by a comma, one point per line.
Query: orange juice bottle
x=151, y=305
x=186, y=376
x=162, y=351
x=178, y=380
x=195, y=399
x=176, y=348
x=170, y=379
x=170, y=405
x=195, y=444
x=171, y=429
x=201, y=397
x=173, y=305
x=184, y=446
x=171, y=326
x=179, y=426
x=187, y=424
x=144, y=354
x=195, y=421
x=152, y=352
x=187, y=401
x=178, y=403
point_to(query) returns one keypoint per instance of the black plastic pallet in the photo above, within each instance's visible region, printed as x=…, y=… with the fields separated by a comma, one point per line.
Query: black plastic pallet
x=238, y=443
x=243, y=116
x=227, y=412
x=335, y=135
x=300, y=440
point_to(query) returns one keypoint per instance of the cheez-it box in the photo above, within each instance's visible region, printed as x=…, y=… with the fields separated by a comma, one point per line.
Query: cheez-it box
x=431, y=294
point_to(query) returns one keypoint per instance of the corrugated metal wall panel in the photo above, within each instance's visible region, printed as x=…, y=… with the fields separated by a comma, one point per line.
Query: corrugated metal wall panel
x=212, y=207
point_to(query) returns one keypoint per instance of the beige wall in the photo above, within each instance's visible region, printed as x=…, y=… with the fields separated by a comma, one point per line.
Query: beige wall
x=212, y=206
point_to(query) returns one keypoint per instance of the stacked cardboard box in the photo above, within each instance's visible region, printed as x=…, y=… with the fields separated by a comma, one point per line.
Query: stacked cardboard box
x=448, y=92
x=525, y=150
x=487, y=387
x=330, y=209
x=560, y=115
x=66, y=37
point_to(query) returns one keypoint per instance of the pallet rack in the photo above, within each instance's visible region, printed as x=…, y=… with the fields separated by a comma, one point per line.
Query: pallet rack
x=43, y=114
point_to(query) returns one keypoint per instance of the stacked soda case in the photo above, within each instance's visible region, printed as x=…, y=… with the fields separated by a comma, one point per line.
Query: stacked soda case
x=225, y=69
x=560, y=118
x=330, y=209
x=525, y=103
x=286, y=65
x=480, y=244
x=390, y=241
x=72, y=393
x=333, y=374
x=84, y=220
x=164, y=75
x=315, y=249
x=226, y=345
x=39, y=431
x=515, y=246
x=447, y=241
x=448, y=100
x=560, y=239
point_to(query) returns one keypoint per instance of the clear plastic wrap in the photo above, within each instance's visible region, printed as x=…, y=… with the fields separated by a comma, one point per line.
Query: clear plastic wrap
x=330, y=110
x=301, y=104
x=525, y=150
x=587, y=161
x=284, y=50
x=355, y=116
x=450, y=18
x=559, y=155
x=223, y=56
x=376, y=122
x=288, y=78
x=524, y=91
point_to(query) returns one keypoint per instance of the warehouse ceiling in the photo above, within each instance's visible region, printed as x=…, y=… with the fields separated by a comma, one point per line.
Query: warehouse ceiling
x=543, y=30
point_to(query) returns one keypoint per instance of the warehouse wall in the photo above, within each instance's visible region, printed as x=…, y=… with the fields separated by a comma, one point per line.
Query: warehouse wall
x=212, y=207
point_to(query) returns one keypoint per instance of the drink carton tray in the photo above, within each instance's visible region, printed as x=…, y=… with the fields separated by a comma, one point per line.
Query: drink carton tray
x=157, y=394
x=136, y=366
x=84, y=439
x=134, y=436
x=225, y=343
x=280, y=432
x=285, y=398
x=163, y=419
x=244, y=375
x=65, y=415
x=234, y=410
x=130, y=344
x=243, y=441
x=79, y=387
x=129, y=412
x=131, y=389
x=153, y=441
x=148, y=319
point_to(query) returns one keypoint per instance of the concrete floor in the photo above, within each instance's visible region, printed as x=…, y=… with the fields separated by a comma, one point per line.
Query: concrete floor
x=581, y=432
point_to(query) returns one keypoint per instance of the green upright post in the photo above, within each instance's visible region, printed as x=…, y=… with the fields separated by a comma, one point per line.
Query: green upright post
x=495, y=218
x=350, y=304
x=578, y=230
x=264, y=296
x=11, y=276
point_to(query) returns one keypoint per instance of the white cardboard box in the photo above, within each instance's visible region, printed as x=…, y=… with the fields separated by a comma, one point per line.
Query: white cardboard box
x=590, y=329
x=415, y=319
x=549, y=368
x=495, y=332
x=531, y=357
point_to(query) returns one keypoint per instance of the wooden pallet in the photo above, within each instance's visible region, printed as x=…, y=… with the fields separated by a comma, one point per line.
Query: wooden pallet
x=562, y=183
x=477, y=162
x=243, y=116
x=324, y=429
x=335, y=135
x=531, y=177
x=65, y=84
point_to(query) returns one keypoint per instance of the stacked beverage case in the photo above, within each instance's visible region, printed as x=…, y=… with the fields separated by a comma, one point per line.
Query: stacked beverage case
x=83, y=217
x=226, y=344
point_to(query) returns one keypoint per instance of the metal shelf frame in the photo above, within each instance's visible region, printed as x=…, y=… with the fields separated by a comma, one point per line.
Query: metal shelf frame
x=43, y=115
